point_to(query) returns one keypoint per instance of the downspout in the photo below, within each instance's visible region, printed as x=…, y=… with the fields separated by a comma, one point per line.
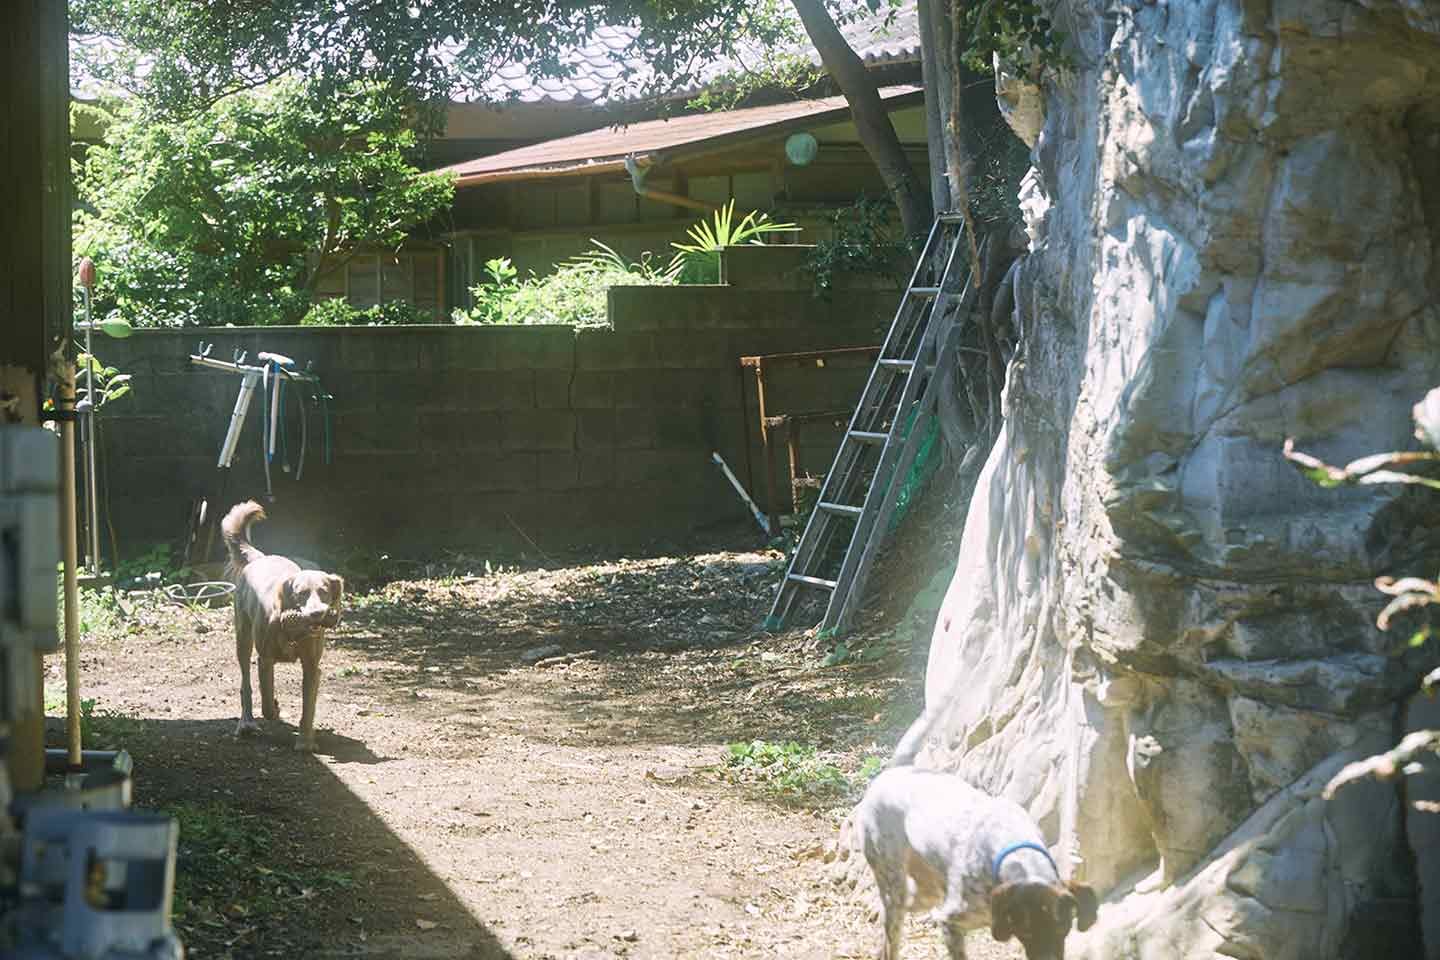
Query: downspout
x=637, y=180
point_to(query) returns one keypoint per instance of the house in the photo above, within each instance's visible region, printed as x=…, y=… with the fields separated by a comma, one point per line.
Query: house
x=639, y=188
x=544, y=165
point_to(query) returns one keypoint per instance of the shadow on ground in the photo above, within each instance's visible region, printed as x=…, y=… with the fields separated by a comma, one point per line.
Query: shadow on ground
x=278, y=858
x=667, y=651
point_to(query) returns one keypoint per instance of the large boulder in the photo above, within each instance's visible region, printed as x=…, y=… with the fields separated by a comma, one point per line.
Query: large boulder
x=1164, y=633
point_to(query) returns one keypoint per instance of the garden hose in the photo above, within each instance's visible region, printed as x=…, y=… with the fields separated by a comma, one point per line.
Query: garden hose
x=304, y=432
x=264, y=421
x=280, y=419
x=325, y=399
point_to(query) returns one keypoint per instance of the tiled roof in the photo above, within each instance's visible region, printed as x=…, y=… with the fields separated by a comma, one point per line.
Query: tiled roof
x=654, y=141
x=609, y=66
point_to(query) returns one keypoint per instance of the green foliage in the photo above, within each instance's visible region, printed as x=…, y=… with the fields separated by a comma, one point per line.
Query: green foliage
x=787, y=70
x=871, y=768
x=107, y=729
x=156, y=566
x=575, y=294
x=334, y=312
x=100, y=610
x=699, y=260
x=495, y=297
x=789, y=768
x=110, y=383
x=843, y=653
x=229, y=863
x=864, y=241
x=1001, y=161
x=1018, y=30
x=197, y=53
x=99, y=729
x=231, y=215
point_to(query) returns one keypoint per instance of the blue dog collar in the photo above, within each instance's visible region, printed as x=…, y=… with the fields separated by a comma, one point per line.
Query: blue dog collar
x=1012, y=848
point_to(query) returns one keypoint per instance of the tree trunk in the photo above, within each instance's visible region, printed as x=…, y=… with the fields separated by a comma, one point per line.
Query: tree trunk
x=950, y=44
x=935, y=79
x=944, y=15
x=872, y=121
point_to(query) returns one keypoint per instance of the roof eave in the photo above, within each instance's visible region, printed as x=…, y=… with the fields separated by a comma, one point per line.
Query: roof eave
x=708, y=145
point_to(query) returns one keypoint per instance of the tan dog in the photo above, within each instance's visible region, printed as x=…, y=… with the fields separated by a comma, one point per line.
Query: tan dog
x=281, y=613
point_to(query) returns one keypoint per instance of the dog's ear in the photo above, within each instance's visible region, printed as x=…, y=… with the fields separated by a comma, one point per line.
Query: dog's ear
x=1087, y=905
x=1064, y=909
x=1001, y=903
x=337, y=585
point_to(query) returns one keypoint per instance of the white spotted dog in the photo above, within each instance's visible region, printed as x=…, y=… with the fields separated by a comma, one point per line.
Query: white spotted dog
x=934, y=841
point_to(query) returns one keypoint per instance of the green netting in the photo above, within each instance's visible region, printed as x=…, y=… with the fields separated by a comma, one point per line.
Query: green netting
x=920, y=469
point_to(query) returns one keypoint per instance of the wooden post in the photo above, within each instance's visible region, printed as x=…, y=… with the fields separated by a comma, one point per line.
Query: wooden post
x=65, y=406
x=34, y=263
x=772, y=500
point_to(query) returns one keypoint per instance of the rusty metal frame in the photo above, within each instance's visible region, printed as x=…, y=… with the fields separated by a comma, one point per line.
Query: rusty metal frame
x=789, y=423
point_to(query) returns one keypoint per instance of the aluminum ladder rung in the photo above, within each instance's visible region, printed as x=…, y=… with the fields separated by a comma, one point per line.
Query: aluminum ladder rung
x=874, y=423
x=811, y=581
x=905, y=366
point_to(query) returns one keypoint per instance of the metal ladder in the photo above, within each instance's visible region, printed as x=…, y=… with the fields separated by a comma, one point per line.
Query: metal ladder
x=861, y=487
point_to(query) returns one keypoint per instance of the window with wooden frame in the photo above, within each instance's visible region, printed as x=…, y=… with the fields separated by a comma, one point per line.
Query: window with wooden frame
x=415, y=276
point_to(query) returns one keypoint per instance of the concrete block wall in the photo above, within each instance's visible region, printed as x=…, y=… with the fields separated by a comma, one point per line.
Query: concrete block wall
x=461, y=437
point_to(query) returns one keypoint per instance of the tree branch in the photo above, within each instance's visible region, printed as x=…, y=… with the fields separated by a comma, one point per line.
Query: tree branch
x=1400, y=759
x=872, y=120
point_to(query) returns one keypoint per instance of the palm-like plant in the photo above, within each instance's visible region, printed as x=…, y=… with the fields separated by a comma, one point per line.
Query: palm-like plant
x=699, y=260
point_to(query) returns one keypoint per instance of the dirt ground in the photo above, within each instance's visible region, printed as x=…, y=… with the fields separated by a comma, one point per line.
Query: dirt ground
x=468, y=803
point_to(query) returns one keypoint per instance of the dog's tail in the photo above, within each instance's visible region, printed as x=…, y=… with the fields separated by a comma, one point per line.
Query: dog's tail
x=235, y=529
x=914, y=740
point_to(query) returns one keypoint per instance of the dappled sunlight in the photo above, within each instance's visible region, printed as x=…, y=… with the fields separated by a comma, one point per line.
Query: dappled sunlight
x=522, y=762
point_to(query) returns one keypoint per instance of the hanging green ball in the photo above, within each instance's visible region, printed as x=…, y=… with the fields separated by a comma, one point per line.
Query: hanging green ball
x=800, y=148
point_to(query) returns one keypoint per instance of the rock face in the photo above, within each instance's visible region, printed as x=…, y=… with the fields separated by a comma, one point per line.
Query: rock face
x=1165, y=634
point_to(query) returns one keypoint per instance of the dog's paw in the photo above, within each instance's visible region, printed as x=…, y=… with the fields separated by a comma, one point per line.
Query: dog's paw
x=305, y=746
x=246, y=728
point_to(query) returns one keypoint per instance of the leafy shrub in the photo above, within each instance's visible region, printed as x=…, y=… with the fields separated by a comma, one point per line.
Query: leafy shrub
x=575, y=294
x=157, y=566
x=110, y=384
x=789, y=768
x=232, y=213
x=699, y=260
x=863, y=242
x=335, y=312
x=1001, y=162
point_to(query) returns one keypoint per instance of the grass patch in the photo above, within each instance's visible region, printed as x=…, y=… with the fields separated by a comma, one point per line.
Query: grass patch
x=100, y=610
x=107, y=729
x=230, y=867
x=99, y=729
x=870, y=769
x=843, y=653
x=791, y=769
